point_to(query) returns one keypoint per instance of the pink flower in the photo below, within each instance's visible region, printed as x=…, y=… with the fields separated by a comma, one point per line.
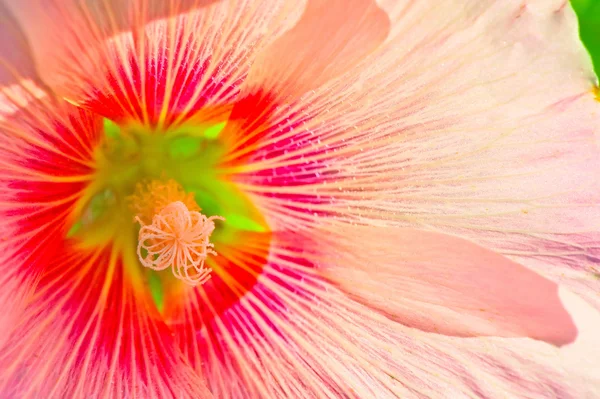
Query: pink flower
x=366, y=199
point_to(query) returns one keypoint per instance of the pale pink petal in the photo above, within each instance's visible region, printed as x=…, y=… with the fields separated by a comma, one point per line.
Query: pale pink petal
x=328, y=39
x=295, y=335
x=331, y=37
x=16, y=59
x=443, y=284
x=584, y=353
x=476, y=119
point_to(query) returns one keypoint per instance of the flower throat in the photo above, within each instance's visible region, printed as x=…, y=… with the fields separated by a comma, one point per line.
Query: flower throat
x=145, y=187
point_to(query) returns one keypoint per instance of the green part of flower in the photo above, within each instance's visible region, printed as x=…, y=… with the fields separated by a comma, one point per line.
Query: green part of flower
x=213, y=132
x=243, y=222
x=95, y=209
x=156, y=290
x=133, y=154
x=74, y=229
x=111, y=129
x=185, y=147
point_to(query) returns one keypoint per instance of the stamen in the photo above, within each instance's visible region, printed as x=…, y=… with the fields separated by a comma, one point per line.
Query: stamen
x=173, y=232
x=178, y=238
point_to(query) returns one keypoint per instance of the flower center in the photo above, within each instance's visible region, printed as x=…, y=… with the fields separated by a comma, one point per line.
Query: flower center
x=157, y=198
x=151, y=169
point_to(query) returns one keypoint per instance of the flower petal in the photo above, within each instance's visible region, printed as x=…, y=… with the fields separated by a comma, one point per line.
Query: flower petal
x=445, y=284
x=90, y=331
x=16, y=60
x=59, y=34
x=474, y=119
x=44, y=163
x=330, y=38
x=295, y=335
x=154, y=62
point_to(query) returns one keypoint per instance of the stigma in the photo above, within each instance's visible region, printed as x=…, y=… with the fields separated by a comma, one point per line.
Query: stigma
x=173, y=232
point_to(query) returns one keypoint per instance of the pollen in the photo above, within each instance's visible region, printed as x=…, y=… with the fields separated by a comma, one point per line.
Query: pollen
x=150, y=197
x=176, y=235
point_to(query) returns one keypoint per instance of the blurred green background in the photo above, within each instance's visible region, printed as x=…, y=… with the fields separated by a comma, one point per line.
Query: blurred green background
x=588, y=12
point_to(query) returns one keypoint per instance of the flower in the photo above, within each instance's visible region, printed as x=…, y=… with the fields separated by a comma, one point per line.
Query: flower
x=403, y=197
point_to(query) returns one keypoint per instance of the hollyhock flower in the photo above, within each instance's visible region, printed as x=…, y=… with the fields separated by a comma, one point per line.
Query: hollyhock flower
x=294, y=199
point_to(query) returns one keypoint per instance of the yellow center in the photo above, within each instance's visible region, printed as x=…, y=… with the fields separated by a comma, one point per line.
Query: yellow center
x=150, y=197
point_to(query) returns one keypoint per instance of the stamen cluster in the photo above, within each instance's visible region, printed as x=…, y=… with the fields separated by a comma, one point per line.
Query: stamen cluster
x=173, y=232
x=178, y=238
